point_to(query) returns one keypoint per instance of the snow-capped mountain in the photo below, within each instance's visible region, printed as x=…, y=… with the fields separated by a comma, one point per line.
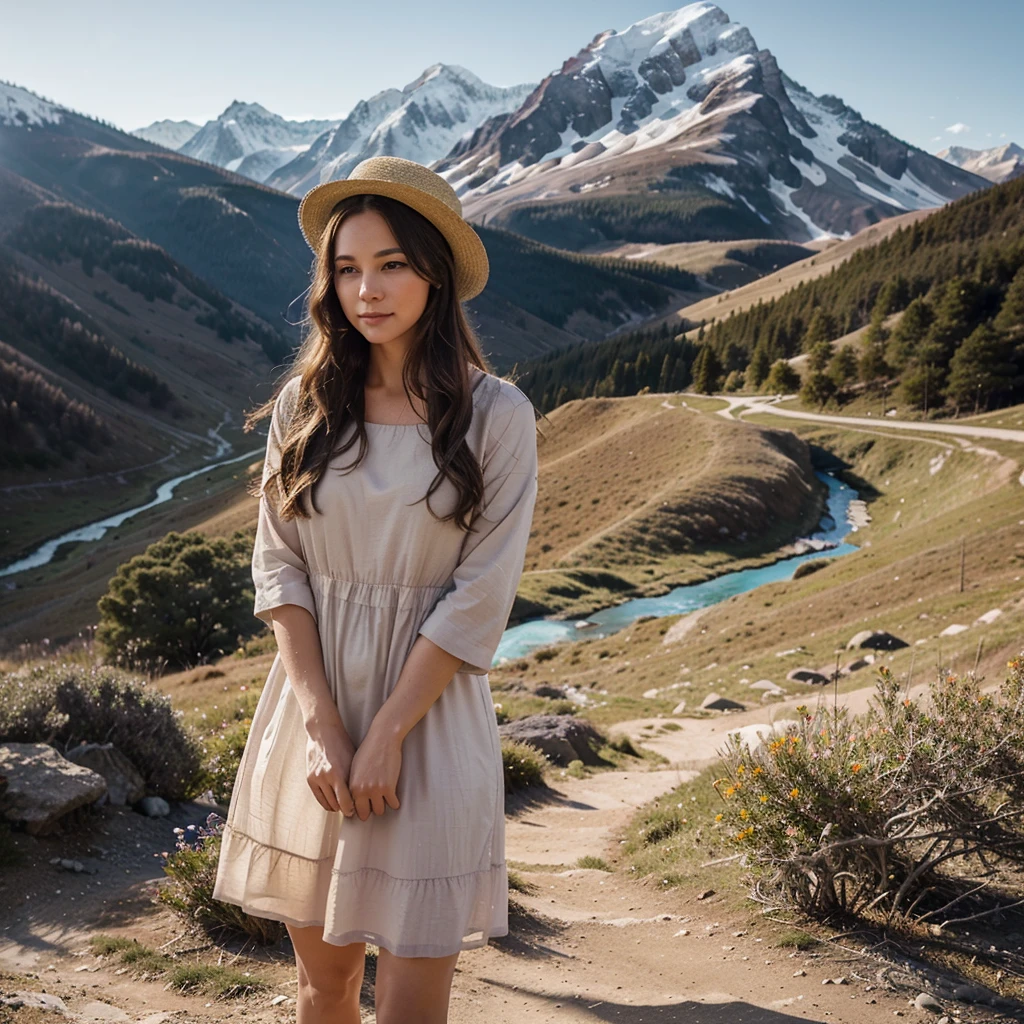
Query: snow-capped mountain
x=166, y=133
x=420, y=122
x=684, y=103
x=249, y=139
x=22, y=108
x=1001, y=163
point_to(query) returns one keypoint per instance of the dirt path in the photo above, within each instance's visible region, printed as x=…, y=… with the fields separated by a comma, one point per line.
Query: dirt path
x=585, y=944
x=600, y=946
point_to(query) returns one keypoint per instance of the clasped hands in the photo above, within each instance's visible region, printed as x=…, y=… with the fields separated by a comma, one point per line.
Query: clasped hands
x=355, y=781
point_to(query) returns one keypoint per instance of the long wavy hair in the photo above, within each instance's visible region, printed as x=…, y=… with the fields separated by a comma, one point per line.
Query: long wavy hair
x=333, y=359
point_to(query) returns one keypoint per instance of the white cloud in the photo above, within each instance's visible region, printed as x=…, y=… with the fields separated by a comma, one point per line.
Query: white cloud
x=959, y=128
x=936, y=138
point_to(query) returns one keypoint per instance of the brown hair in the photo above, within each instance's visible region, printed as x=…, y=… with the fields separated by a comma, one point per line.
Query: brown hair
x=333, y=359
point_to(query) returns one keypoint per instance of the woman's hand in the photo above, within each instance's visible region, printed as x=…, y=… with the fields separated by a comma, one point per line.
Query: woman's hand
x=375, y=770
x=329, y=753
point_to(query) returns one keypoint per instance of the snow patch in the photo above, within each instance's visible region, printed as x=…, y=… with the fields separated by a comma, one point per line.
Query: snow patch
x=22, y=109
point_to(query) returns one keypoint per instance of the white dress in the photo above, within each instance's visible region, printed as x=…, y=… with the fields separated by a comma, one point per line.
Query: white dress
x=375, y=570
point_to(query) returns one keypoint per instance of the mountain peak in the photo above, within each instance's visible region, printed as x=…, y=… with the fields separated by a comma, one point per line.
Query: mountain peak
x=238, y=107
x=442, y=71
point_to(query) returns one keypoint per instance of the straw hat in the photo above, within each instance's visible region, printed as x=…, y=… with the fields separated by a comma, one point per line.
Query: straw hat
x=416, y=186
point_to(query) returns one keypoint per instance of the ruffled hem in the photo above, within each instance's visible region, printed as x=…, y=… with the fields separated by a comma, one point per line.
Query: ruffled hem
x=409, y=917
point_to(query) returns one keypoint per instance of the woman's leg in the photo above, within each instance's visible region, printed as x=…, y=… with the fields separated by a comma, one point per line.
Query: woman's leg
x=329, y=977
x=415, y=988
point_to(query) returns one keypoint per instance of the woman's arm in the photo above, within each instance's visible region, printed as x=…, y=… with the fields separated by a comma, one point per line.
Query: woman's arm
x=329, y=748
x=298, y=640
x=286, y=603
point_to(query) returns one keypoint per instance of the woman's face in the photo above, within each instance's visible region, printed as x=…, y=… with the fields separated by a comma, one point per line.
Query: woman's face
x=372, y=276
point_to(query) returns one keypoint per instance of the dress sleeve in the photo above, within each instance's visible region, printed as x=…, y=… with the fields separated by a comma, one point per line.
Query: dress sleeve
x=278, y=565
x=469, y=618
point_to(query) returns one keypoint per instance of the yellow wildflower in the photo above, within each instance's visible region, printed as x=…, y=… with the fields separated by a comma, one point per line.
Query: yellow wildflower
x=794, y=793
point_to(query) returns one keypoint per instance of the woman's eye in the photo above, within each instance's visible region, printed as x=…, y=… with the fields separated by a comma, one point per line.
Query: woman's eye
x=394, y=263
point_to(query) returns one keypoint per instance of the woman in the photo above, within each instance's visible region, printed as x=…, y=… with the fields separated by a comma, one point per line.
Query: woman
x=369, y=802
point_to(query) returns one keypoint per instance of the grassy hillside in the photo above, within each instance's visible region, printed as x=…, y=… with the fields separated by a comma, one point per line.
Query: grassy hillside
x=926, y=497
x=687, y=214
x=101, y=328
x=636, y=498
x=723, y=265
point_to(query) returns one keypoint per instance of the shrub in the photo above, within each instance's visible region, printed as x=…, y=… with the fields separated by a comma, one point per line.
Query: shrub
x=64, y=704
x=872, y=815
x=523, y=765
x=806, y=568
x=185, y=599
x=192, y=868
x=223, y=748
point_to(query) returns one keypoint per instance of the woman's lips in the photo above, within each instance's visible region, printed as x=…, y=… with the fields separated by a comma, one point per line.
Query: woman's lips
x=373, y=317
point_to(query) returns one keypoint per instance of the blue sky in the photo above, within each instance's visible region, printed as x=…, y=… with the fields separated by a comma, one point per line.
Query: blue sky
x=933, y=73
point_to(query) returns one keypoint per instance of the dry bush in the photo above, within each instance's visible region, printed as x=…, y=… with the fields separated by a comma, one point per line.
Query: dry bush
x=908, y=812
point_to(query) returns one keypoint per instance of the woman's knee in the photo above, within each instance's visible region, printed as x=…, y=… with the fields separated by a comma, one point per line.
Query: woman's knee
x=326, y=969
x=404, y=984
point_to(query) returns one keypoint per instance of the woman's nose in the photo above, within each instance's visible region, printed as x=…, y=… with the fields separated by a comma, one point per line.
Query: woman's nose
x=369, y=287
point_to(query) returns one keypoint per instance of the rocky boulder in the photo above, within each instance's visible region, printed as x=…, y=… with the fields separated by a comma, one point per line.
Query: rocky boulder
x=547, y=690
x=42, y=786
x=808, y=675
x=562, y=738
x=714, y=702
x=125, y=784
x=876, y=640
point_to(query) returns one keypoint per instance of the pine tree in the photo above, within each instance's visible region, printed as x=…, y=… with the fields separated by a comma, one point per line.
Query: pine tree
x=821, y=327
x=706, y=371
x=908, y=334
x=782, y=380
x=819, y=356
x=1010, y=319
x=760, y=366
x=981, y=369
x=842, y=367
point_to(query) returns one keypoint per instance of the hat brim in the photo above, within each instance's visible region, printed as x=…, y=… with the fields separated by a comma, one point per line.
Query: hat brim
x=471, y=263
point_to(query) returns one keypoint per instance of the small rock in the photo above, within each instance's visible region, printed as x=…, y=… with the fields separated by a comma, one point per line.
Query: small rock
x=155, y=807
x=40, y=1000
x=679, y=708
x=705, y=894
x=924, y=1001
x=277, y=1000
x=953, y=629
x=800, y=974
x=808, y=675
x=714, y=702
